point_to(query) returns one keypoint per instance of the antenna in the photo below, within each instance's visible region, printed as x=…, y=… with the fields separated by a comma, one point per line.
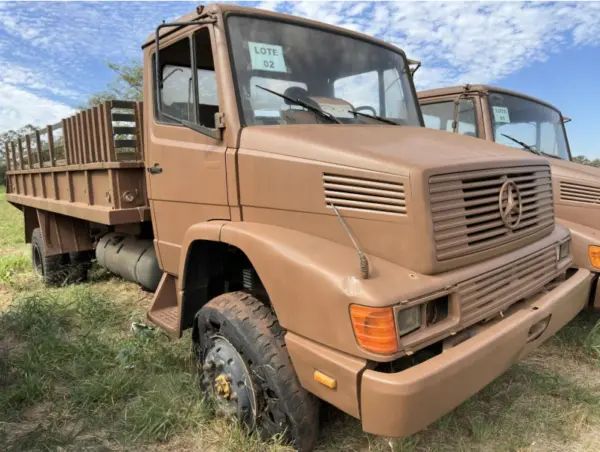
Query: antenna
x=364, y=263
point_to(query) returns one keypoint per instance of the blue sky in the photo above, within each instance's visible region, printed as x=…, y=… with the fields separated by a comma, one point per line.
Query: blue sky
x=52, y=54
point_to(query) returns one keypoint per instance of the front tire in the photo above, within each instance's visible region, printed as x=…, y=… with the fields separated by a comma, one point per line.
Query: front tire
x=246, y=370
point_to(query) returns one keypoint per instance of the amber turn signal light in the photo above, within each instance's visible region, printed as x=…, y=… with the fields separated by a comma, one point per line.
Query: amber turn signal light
x=325, y=380
x=375, y=329
x=594, y=253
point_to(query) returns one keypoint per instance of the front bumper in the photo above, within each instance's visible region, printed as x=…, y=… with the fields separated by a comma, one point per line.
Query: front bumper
x=400, y=404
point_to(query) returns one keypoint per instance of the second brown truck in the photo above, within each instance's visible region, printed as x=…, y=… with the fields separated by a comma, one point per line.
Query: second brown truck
x=535, y=126
x=278, y=190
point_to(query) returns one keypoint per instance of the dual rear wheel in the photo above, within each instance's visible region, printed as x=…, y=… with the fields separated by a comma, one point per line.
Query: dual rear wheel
x=58, y=269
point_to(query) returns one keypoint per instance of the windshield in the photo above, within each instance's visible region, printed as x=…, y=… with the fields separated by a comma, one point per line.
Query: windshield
x=337, y=74
x=535, y=126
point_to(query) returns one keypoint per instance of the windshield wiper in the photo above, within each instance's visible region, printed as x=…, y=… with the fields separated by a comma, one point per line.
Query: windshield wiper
x=306, y=105
x=379, y=118
x=524, y=145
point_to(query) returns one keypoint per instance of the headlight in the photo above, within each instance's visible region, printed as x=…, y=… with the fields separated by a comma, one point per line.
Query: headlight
x=564, y=250
x=408, y=320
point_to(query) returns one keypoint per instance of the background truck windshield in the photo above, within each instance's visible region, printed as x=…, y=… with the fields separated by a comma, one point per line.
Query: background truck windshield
x=531, y=123
x=336, y=73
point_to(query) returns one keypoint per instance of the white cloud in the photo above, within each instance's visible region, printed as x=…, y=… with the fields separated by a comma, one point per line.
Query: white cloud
x=19, y=107
x=55, y=51
x=32, y=79
x=465, y=42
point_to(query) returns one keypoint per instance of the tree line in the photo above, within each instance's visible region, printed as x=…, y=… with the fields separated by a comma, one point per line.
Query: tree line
x=126, y=85
x=585, y=161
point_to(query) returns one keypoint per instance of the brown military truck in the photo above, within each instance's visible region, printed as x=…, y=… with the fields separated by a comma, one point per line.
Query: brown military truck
x=286, y=203
x=529, y=124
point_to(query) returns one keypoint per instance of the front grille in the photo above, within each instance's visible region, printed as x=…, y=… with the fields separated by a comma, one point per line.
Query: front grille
x=498, y=289
x=586, y=194
x=466, y=214
x=361, y=194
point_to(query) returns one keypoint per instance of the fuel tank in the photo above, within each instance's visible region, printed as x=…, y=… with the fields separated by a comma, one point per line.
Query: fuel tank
x=131, y=258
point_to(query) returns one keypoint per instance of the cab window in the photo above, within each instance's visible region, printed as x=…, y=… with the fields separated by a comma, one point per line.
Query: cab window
x=177, y=91
x=440, y=115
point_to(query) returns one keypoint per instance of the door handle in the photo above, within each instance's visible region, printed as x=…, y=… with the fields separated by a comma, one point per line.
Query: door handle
x=155, y=169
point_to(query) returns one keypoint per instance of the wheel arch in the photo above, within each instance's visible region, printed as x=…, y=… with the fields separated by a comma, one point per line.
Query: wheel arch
x=310, y=281
x=210, y=267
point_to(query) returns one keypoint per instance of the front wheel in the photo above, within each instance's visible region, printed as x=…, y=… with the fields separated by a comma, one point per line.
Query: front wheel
x=246, y=370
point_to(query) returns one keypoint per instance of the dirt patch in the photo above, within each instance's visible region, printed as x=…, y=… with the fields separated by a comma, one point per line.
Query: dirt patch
x=10, y=345
x=588, y=440
x=37, y=413
x=6, y=298
x=573, y=364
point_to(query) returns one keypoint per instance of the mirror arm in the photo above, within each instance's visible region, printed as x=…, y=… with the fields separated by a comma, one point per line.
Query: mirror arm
x=460, y=97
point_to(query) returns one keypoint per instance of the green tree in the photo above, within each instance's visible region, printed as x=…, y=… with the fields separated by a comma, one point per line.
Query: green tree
x=127, y=84
x=581, y=159
x=9, y=136
x=585, y=161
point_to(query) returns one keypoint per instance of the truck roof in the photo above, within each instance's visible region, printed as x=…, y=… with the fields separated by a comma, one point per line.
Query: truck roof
x=478, y=88
x=230, y=8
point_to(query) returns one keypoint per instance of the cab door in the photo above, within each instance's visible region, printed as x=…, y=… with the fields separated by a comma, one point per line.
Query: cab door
x=186, y=171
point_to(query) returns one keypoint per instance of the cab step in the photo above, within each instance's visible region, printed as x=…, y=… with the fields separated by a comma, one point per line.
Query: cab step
x=165, y=311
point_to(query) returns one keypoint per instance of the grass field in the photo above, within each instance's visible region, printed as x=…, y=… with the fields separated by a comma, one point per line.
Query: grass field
x=74, y=378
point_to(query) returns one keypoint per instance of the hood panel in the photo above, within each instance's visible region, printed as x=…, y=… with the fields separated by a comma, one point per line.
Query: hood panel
x=576, y=192
x=379, y=178
x=389, y=149
x=576, y=171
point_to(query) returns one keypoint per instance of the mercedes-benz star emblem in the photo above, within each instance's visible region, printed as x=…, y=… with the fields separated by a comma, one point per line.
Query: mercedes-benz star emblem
x=511, y=207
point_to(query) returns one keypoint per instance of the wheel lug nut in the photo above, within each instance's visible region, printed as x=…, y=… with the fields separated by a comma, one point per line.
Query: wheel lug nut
x=208, y=365
x=220, y=364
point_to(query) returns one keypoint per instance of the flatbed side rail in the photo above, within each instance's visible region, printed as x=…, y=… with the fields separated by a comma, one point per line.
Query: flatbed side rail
x=105, y=134
x=88, y=166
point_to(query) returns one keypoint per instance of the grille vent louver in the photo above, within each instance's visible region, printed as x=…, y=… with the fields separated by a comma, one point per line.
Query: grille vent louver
x=365, y=195
x=465, y=212
x=504, y=286
x=586, y=194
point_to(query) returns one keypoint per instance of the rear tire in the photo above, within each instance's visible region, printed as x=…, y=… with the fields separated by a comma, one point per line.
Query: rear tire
x=50, y=268
x=79, y=264
x=246, y=370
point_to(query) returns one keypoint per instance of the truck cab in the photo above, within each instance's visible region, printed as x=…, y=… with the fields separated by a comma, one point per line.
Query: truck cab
x=317, y=239
x=522, y=122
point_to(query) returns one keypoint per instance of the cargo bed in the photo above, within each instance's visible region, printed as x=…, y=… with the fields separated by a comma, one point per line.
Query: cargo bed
x=88, y=166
